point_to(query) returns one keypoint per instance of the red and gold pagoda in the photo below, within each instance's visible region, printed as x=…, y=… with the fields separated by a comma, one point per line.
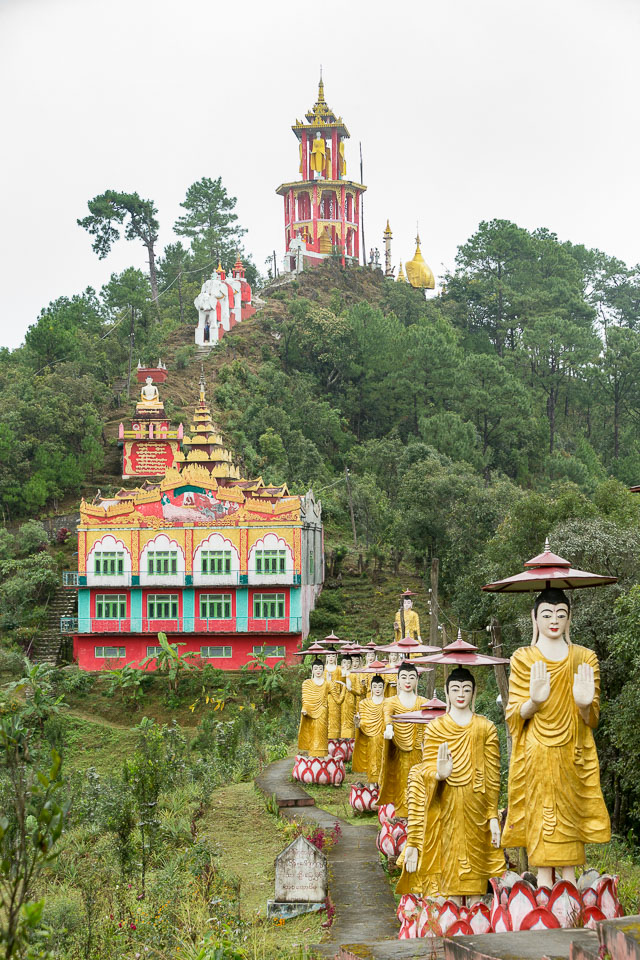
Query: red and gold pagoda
x=322, y=210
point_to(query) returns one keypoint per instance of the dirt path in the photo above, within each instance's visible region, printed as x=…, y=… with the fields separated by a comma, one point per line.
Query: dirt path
x=365, y=924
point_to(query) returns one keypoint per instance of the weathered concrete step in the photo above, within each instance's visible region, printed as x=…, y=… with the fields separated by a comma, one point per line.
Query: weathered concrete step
x=274, y=782
x=621, y=937
x=384, y=950
x=525, y=945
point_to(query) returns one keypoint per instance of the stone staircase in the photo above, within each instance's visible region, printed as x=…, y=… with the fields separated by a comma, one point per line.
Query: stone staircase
x=48, y=642
x=204, y=350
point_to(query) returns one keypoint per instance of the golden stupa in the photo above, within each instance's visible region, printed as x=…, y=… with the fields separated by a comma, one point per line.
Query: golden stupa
x=205, y=445
x=401, y=277
x=419, y=273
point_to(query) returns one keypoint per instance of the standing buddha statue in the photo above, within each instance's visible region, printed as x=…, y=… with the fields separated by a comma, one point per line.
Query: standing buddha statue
x=403, y=741
x=369, y=724
x=348, y=708
x=555, y=800
x=407, y=615
x=333, y=675
x=314, y=715
x=318, y=154
x=452, y=798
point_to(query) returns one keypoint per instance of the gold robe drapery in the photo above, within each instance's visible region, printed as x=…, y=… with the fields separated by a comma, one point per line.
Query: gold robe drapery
x=448, y=820
x=399, y=754
x=555, y=800
x=411, y=625
x=349, y=707
x=313, y=730
x=367, y=752
x=318, y=155
x=336, y=696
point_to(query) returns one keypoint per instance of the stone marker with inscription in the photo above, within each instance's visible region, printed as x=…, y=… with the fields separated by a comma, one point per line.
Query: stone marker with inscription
x=301, y=880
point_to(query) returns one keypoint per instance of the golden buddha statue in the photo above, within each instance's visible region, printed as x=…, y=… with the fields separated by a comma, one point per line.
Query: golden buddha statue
x=555, y=799
x=318, y=153
x=348, y=708
x=391, y=679
x=403, y=741
x=369, y=724
x=149, y=397
x=314, y=715
x=452, y=799
x=333, y=675
x=410, y=617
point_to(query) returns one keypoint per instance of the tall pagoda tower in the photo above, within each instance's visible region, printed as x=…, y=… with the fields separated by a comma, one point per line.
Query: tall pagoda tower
x=322, y=210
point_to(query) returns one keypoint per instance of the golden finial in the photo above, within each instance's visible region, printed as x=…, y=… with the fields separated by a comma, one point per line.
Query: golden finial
x=219, y=267
x=202, y=384
x=321, y=88
x=401, y=277
x=387, y=230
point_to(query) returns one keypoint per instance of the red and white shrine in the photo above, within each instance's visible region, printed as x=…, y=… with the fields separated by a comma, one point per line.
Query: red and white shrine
x=150, y=446
x=222, y=303
x=322, y=211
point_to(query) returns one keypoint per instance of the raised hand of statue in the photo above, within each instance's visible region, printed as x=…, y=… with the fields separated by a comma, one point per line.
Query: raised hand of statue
x=411, y=859
x=584, y=686
x=494, y=827
x=539, y=683
x=348, y=683
x=388, y=732
x=444, y=763
x=356, y=721
x=304, y=713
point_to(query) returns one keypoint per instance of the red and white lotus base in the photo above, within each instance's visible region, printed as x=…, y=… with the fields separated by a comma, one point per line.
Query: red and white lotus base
x=341, y=749
x=392, y=835
x=323, y=770
x=362, y=798
x=517, y=905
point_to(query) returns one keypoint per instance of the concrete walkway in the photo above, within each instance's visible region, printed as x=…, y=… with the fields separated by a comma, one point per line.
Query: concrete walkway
x=365, y=924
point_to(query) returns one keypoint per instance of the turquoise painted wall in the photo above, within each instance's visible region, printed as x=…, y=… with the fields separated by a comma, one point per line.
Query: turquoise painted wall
x=295, y=608
x=136, y=610
x=242, y=609
x=84, y=611
x=188, y=608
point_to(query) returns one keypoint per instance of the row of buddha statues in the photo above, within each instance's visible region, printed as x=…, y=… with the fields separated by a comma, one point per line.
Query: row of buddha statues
x=443, y=776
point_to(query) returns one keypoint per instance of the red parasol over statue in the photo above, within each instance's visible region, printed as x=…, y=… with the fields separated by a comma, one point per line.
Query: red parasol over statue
x=431, y=709
x=548, y=570
x=463, y=653
x=332, y=640
x=315, y=648
x=408, y=646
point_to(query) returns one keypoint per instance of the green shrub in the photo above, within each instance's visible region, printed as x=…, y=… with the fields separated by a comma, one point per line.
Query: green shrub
x=184, y=356
x=63, y=914
x=11, y=661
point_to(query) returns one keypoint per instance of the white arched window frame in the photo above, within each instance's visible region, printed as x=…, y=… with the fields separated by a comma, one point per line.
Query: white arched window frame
x=162, y=544
x=216, y=553
x=108, y=553
x=263, y=549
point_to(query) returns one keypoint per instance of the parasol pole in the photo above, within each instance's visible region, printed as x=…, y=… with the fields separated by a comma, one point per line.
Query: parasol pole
x=501, y=673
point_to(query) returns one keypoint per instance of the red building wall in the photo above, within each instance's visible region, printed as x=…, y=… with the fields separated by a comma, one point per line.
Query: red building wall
x=136, y=648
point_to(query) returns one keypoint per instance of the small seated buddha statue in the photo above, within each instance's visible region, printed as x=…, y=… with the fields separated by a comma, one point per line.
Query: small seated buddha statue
x=149, y=397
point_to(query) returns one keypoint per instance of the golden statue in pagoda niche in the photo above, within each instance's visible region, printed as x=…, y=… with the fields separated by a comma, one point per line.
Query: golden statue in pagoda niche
x=318, y=154
x=555, y=800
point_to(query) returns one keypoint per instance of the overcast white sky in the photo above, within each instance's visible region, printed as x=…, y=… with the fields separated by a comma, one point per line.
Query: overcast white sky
x=466, y=109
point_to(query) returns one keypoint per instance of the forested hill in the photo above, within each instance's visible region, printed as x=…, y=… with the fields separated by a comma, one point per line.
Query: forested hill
x=473, y=424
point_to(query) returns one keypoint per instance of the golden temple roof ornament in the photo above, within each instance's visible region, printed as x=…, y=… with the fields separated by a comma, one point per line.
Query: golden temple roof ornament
x=401, y=276
x=419, y=273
